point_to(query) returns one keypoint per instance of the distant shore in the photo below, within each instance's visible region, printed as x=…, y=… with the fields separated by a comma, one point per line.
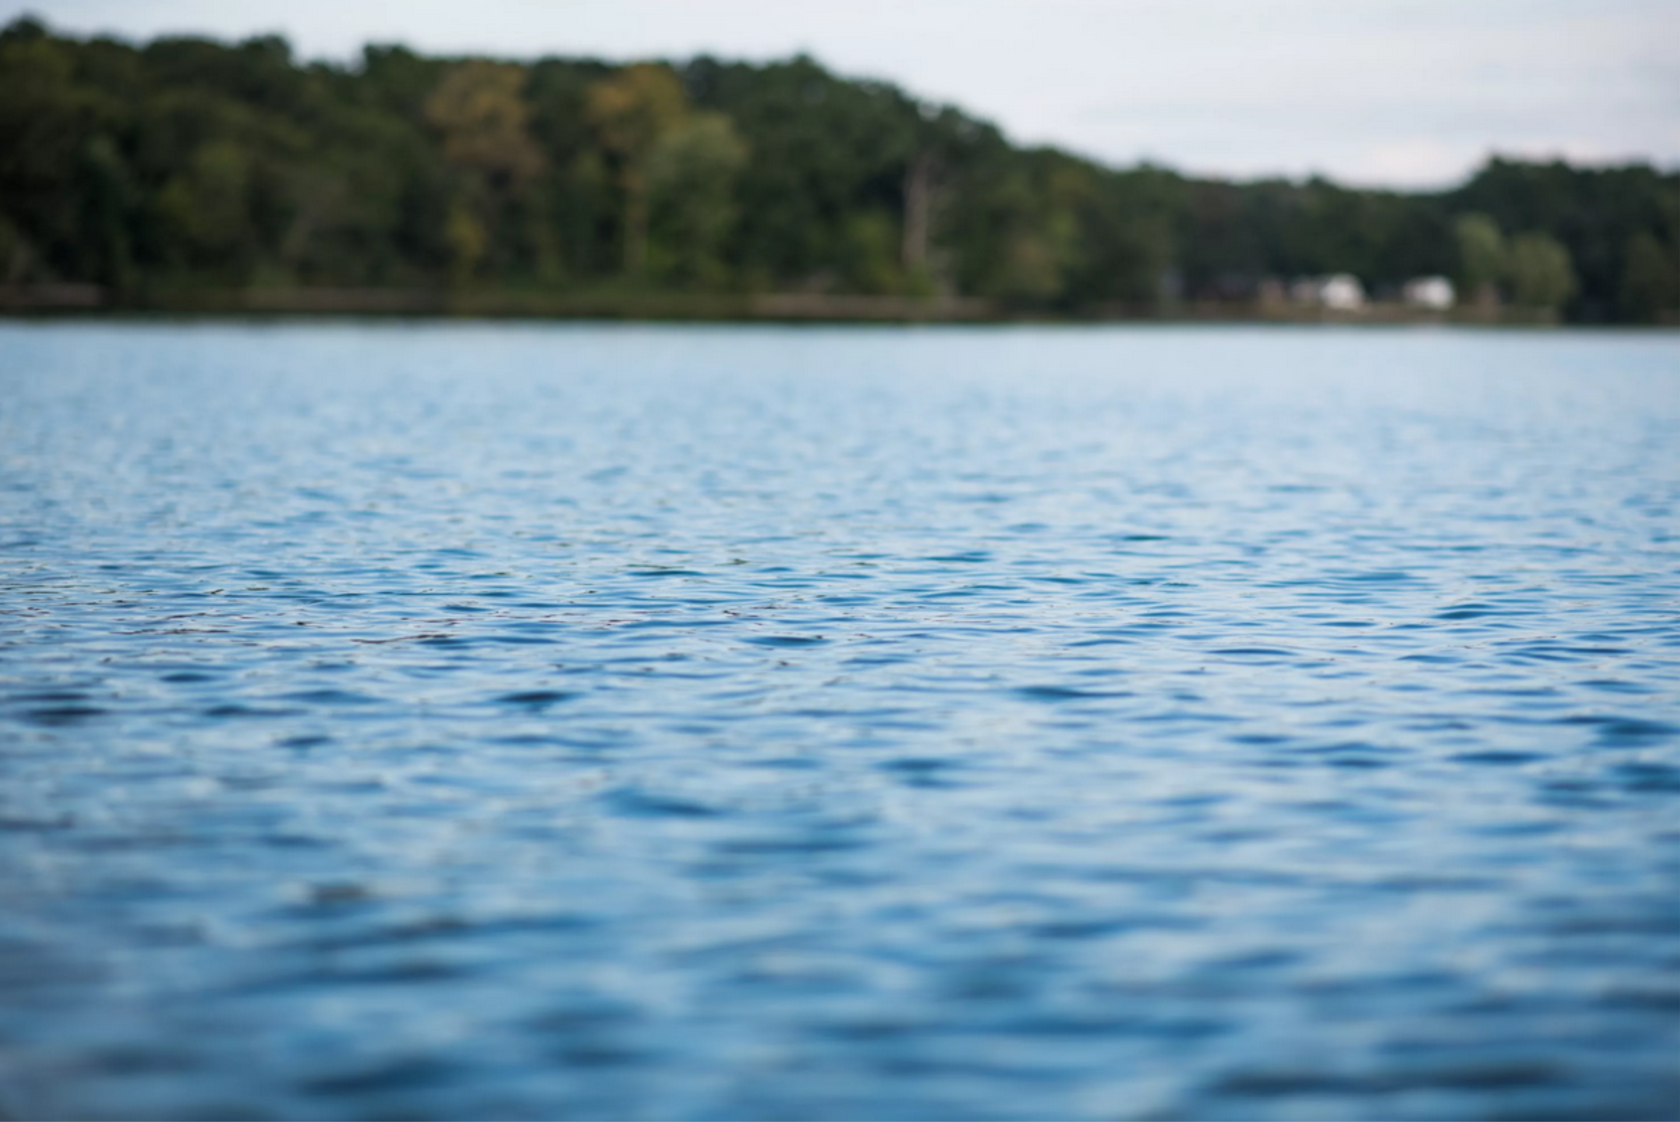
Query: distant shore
x=794, y=307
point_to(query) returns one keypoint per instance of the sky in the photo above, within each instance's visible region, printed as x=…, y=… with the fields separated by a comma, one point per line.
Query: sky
x=1399, y=93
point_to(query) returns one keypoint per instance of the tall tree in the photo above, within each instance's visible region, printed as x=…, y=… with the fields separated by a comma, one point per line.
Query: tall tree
x=691, y=175
x=1650, y=288
x=1481, y=257
x=632, y=112
x=1540, y=272
x=480, y=113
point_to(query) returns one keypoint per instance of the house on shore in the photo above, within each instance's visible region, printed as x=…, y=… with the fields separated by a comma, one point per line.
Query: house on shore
x=1435, y=294
x=1340, y=292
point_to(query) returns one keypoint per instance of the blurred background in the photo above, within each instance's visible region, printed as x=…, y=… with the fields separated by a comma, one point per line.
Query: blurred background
x=1513, y=161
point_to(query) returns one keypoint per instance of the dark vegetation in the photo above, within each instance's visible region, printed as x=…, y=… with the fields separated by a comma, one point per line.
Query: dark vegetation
x=186, y=165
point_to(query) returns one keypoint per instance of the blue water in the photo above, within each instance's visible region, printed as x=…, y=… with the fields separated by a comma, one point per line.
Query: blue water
x=662, y=722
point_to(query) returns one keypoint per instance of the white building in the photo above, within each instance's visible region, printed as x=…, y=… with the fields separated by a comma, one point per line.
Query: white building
x=1434, y=293
x=1340, y=293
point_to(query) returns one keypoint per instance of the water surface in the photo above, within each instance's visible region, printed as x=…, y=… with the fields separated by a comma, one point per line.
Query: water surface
x=657, y=722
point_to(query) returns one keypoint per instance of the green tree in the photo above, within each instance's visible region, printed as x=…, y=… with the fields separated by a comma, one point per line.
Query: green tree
x=207, y=209
x=108, y=211
x=1031, y=273
x=1540, y=272
x=691, y=175
x=867, y=256
x=479, y=110
x=48, y=119
x=16, y=254
x=631, y=112
x=1481, y=256
x=466, y=237
x=1650, y=289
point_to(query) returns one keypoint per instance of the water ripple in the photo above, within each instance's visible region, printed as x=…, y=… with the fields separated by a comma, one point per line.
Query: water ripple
x=587, y=721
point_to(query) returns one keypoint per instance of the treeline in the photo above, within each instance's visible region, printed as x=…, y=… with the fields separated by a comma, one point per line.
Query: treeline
x=186, y=164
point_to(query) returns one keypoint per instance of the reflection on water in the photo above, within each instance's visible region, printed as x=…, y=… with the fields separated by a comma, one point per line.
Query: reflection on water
x=507, y=721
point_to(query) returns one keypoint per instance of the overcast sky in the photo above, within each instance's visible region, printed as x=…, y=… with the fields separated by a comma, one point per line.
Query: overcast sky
x=1393, y=92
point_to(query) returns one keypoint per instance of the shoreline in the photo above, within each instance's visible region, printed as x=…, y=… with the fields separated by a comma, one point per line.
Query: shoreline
x=80, y=300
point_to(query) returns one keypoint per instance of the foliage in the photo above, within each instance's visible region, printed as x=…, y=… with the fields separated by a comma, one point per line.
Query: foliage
x=190, y=164
x=479, y=111
x=1650, y=288
x=1481, y=254
x=1540, y=273
x=632, y=113
x=691, y=173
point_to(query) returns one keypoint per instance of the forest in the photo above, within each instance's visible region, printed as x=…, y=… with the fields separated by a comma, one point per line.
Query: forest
x=156, y=171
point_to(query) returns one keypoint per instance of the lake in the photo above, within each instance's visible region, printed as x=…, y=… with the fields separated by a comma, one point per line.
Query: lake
x=526, y=720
